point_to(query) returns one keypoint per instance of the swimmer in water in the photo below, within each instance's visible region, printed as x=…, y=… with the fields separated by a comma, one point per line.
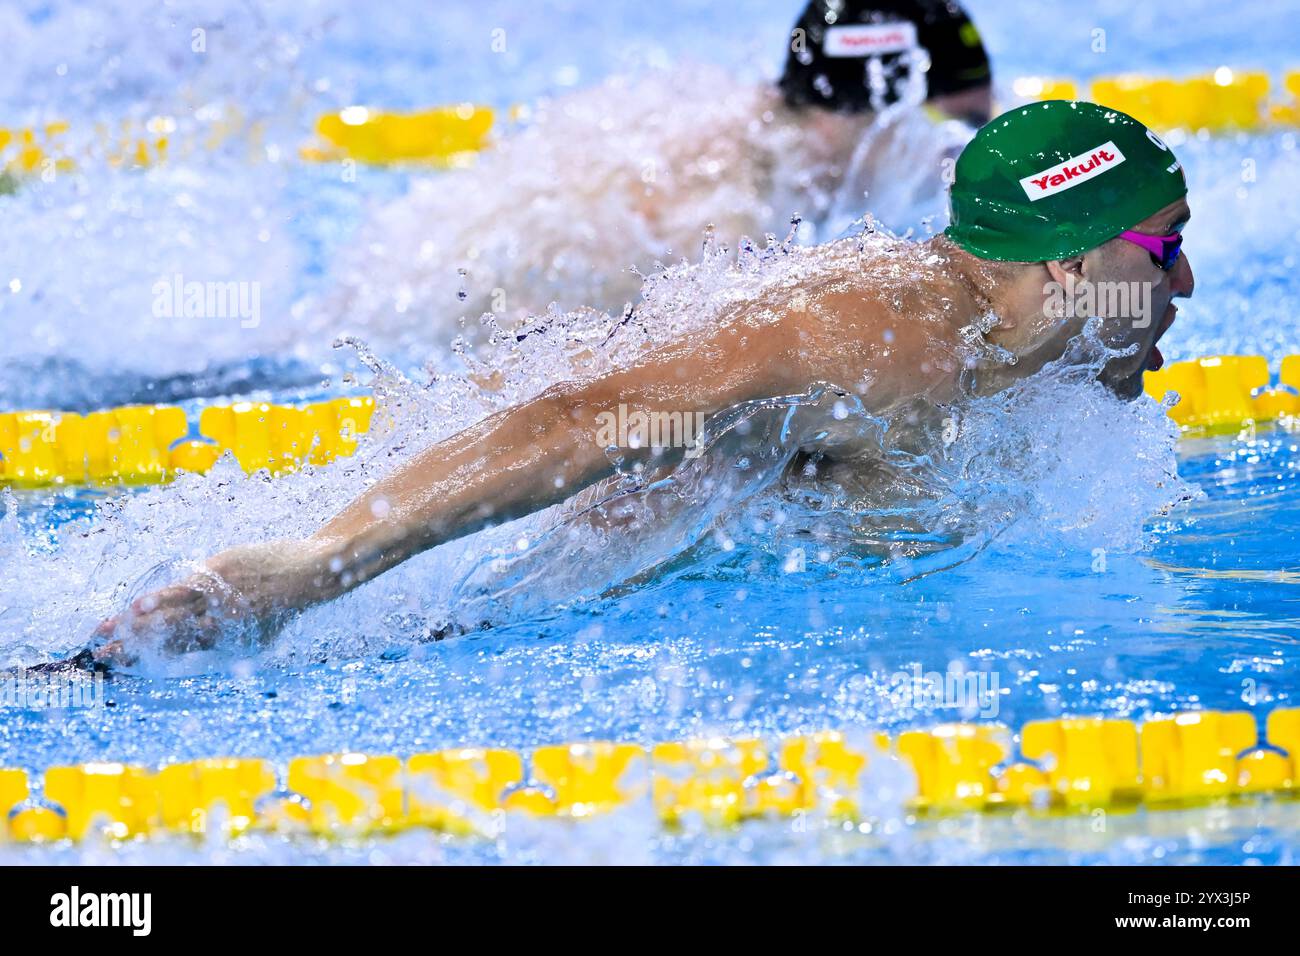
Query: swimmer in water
x=1050, y=196
x=860, y=57
x=633, y=173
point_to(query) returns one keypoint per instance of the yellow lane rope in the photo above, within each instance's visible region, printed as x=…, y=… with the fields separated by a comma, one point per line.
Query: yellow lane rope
x=1070, y=765
x=445, y=135
x=1223, y=101
x=1228, y=392
x=146, y=444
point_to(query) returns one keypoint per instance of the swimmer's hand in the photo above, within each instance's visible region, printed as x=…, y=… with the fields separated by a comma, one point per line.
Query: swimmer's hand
x=522, y=459
x=246, y=593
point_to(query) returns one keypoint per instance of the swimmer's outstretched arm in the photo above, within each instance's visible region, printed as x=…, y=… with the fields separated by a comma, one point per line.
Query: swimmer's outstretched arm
x=512, y=463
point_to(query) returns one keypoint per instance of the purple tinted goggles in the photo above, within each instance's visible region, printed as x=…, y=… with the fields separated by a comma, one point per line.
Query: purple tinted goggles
x=1164, y=250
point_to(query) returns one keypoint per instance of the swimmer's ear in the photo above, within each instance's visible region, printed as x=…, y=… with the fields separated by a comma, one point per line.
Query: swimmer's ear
x=1060, y=268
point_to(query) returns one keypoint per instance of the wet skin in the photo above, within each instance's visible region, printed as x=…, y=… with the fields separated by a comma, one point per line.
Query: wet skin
x=886, y=326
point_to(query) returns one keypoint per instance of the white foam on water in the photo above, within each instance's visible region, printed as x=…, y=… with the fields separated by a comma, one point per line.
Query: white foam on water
x=1054, y=464
x=619, y=174
x=599, y=188
x=604, y=185
x=131, y=250
x=1055, y=458
x=569, y=186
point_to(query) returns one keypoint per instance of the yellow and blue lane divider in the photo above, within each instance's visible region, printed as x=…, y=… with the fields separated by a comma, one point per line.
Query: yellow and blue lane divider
x=145, y=444
x=1053, y=767
x=1222, y=101
x=34, y=150
x=1227, y=392
x=443, y=135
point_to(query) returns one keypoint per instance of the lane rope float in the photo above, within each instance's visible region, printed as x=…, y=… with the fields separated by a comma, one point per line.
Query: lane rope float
x=1224, y=101
x=147, y=444
x=1221, y=393
x=1052, y=767
x=444, y=135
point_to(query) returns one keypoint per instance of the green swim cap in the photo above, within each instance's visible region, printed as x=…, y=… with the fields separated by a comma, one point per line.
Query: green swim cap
x=1057, y=178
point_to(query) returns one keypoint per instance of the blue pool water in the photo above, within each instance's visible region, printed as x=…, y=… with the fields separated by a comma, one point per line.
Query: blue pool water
x=1086, y=600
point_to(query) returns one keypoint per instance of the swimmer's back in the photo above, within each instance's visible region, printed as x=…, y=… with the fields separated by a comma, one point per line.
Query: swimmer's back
x=883, y=322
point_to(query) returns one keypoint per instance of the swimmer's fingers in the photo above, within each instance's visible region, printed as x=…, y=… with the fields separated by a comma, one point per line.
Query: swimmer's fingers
x=107, y=628
x=235, y=594
x=187, y=616
x=169, y=602
x=111, y=654
x=183, y=617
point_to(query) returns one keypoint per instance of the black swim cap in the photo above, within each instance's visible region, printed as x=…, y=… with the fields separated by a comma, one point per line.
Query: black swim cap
x=851, y=56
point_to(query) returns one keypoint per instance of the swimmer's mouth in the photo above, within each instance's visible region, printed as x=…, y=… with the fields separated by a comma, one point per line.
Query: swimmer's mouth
x=1155, y=360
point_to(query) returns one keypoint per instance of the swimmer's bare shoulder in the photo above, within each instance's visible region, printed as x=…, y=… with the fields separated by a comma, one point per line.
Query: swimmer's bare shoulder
x=836, y=329
x=887, y=329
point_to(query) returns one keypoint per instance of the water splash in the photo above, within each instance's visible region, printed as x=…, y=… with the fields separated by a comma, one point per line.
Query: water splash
x=627, y=171
x=1052, y=458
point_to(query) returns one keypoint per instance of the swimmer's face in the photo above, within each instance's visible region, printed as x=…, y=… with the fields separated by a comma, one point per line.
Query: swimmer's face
x=1140, y=298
